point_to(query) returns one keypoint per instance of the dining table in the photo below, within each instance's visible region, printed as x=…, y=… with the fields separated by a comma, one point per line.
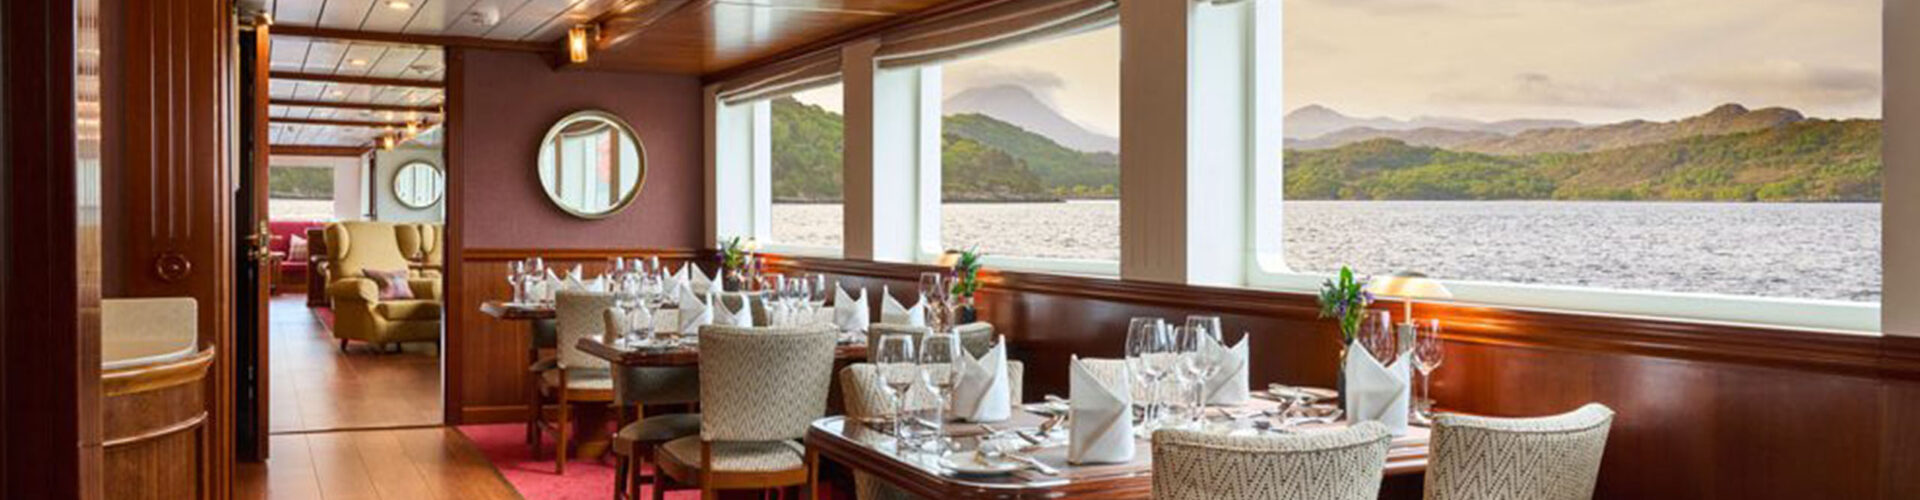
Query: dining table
x=868, y=446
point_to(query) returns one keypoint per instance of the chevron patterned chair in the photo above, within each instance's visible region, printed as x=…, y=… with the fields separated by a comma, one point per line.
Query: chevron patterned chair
x=868, y=399
x=1334, y=465
x=1545, y=458
x=759, y=390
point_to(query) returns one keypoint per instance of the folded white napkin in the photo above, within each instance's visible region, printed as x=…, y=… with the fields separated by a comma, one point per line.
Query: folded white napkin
x=1375, y=392
x=1228, y=386
x=849, y=314
x=1102, y=417
x=892, y=313
x=575, y=274
x=983, y=391
x=638, y=318
x=694, y=311
x=722, y=316
x=700, y=282
x=549, y=287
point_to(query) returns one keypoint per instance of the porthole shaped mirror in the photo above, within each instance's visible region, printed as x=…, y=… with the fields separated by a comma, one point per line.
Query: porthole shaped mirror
x=592, y=165
x=419, y=185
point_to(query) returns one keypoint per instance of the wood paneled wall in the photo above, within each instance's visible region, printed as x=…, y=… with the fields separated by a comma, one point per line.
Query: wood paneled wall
x=168, y=198
x=1705, y=411
x=486, y=357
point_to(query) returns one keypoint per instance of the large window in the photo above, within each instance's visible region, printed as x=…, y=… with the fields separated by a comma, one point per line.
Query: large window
x=806, y=169
x=1030, y=165
x=1724, y=147
x=300, y=193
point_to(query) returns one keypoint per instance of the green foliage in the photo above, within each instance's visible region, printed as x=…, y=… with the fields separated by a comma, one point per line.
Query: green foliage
x=1345, y=298
x=966, y=272
x=736, y=254
x=1810, y=160
x=1055, y=165
x=806, y=149
x=972, y=171
x=300, y=183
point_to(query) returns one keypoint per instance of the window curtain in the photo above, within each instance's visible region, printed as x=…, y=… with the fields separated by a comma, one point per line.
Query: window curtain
x=974, y=32
x=816, y=70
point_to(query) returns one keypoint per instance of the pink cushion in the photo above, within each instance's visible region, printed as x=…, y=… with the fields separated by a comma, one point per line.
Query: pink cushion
x=393, y=284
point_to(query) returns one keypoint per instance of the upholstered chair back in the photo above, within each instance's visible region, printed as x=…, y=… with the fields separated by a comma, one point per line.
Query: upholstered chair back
x=354, y=247
x=866, y=396
x=1546, y=458
x=579, y=315
x=650, y=385
x=434, y=238
x=411, y=241
x=975, y=337
x=763, y=384
x=1334, y=465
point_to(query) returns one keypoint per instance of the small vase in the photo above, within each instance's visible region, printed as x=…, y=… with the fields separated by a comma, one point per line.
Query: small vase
x=1341, y=370
x=964, y=313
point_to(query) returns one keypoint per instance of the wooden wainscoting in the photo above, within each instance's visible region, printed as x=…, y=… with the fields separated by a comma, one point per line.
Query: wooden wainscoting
x=1705, y=411
x=486, y=357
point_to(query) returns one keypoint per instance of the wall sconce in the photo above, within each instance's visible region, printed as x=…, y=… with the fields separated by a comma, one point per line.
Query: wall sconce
x=386, y=142
x=577, y=38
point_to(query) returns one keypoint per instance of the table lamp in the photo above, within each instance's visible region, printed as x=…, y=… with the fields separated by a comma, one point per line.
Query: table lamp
x=1408, y=286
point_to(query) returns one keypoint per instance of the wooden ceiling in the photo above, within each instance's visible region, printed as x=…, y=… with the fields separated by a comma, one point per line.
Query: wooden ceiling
x=329, y=92
x=703, y=37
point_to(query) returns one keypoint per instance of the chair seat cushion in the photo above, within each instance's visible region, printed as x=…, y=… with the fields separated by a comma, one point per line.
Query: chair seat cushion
x=656, y=429
x=589, y=379
x=408, y=310
x=764, y=456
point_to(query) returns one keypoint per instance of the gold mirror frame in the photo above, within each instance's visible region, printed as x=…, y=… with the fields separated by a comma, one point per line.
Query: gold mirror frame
x=553, y=132
x=439, y=176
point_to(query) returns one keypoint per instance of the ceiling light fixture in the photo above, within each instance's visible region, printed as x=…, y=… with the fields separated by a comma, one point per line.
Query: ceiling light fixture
x=357, y=62
x=399, y=4
x=577, y=38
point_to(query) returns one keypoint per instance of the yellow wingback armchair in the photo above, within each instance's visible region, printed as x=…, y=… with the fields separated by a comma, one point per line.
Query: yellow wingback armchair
x=359, y=313
x=424, y=245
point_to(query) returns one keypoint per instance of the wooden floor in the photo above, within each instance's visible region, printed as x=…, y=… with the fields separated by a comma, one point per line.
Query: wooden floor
x=403, y=464
x=316, y=387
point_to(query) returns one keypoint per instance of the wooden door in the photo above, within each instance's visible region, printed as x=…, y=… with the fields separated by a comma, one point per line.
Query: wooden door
x=254, y=263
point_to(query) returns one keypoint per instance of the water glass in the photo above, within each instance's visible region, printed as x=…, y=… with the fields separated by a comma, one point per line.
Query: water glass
x=1148, y=349
x=516, y=273
x=1198, y=364
x=1378, y=337
x=1427, y=355
x=940, y=370
x=898, y=364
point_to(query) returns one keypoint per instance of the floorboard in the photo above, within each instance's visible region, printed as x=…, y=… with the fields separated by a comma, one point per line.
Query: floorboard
x=401, y=464
x=315, y=386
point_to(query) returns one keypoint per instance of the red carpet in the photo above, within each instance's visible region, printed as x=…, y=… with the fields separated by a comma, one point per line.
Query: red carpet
x=505, y=445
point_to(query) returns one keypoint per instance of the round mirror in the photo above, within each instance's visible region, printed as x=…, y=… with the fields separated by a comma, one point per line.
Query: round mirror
x=592, y=165
x=418, y=185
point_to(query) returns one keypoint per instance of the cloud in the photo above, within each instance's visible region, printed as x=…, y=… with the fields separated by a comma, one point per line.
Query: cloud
x=1783, y=81
x=1042, y=83
x=1542, y=90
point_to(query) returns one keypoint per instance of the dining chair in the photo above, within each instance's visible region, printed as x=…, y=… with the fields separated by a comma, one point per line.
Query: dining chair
x=577, y=377
x=975, y=337
x=868, y=401
x=545, y=337
x=759, y=390
x=1333, y=465
x=1544, y=458
x=639, y=387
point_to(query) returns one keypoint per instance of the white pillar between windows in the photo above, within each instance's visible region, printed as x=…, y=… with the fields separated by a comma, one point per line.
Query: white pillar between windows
x=1184, y=191
x=729, y=176
x=883, y=157
x=1900, y=172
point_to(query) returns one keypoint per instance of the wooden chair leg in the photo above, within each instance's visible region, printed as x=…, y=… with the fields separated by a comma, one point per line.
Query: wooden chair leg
x=343, y=345
x=659, y=486
x=562, y=438
x=620, y=464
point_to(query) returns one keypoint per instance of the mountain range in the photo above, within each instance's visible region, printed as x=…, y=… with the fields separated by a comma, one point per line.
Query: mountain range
x=1314, y=120
x=1016, y=105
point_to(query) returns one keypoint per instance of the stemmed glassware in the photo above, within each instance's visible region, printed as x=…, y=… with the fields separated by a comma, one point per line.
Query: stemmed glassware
x=516, y=274
x=817, y=283
x=1378, y=338
x=933, y=288
x=1149, y=350
x=1427, y=354
x=940, y=370
x=1197, y=363
x=899, y=367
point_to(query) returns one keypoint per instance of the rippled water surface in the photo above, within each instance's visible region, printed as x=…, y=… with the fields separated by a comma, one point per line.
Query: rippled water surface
x=1820, y=251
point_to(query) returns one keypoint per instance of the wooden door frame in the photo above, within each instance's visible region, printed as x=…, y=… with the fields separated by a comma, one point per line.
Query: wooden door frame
x=260, y=157
x=49, y=261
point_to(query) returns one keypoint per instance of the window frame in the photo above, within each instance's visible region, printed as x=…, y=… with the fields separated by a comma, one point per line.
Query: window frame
x=1267, y=267
x=762, y=175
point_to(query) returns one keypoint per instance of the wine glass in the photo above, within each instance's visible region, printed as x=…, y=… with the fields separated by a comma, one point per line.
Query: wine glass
x=1377, y=336
x=818, y=283
x=1147, y=346
x=897, y=363
x=517, y=273
x=933, y=293
x=1427, y=355
x=1198, y=361
x=940, y=370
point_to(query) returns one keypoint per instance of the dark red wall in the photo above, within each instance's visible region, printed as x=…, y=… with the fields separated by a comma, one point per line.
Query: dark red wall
x=510, y=100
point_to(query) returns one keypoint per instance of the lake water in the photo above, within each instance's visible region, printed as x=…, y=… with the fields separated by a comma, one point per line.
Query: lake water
x=1819, y=251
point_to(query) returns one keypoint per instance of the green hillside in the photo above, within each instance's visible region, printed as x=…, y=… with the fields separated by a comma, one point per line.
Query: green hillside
x=1810, y=160
x=984, y=160
x=300, y=183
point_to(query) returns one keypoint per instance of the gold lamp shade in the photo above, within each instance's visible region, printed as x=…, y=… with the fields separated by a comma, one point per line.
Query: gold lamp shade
x=1408, y=286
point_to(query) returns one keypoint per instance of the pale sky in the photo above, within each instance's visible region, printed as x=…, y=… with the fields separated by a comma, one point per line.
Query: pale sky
x=1596, y=61
x=1589, y=60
